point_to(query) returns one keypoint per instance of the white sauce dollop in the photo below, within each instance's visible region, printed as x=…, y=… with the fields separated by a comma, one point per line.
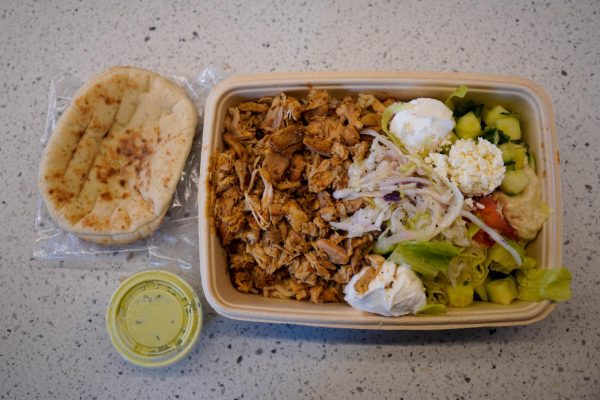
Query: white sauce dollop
x=422, y=125
x=396, y=290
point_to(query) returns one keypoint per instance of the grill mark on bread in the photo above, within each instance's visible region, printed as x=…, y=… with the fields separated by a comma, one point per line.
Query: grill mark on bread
x=80, y=134
x=93, y=163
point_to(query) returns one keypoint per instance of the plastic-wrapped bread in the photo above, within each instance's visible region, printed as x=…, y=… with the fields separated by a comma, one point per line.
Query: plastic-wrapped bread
x=113, y=162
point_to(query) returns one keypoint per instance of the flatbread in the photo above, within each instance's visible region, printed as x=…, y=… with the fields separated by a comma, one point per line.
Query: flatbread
x=113, y=162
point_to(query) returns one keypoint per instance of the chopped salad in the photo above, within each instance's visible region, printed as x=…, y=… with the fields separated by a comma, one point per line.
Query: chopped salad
x=453, y=198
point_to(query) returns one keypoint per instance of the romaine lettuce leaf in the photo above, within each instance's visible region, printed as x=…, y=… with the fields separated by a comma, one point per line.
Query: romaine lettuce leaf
x=469, y=265
x=544, y=284
x=435, y=289
x=432, y=309
x=426, y=258
x=460, y=92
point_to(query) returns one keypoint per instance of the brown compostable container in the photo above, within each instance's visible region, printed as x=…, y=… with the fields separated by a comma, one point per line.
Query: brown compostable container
x=519, y=94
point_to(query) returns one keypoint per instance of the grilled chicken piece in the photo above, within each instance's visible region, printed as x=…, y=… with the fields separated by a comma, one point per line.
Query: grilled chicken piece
x=335, y=253
x=371, y=120
x=321, y=146
x=315, y=292
x=317, y=98
x=241, y=170
x=350, y=111
x=237, y=147
x=317, y=104
x=276, y=165
x=344, y=274
x=350, y=135
x=340, y=152
x=283, y=111
x=229, y=206
x=321, y=177
x=287, y=140
x=366, y=101
x=352, y=205
x=225, y=183
x=253, y=107
x=297, y=168
x=295, y=215
x=240, y=125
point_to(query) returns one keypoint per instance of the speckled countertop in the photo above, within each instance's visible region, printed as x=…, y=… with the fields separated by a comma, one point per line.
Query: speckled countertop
x=53, y=342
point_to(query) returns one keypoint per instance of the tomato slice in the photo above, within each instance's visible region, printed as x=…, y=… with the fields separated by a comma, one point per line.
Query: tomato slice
x=492, y=217
x=483, y=239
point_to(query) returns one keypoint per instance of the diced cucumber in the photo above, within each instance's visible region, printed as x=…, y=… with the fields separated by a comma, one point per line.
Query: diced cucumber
x=468, y=126
x=514, y=181
x=502, y=291
x=501, y=260
x=520, y=155
x=480, y=290
x=508, y=152
x=513, y=153
x=490, y=116
x=460, y=295
x=509, y=125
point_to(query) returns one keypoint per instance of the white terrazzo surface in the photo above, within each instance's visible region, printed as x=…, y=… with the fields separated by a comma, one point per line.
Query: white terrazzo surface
x=53, y=342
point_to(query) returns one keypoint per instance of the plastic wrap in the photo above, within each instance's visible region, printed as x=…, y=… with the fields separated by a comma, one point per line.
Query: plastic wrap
x=176, y=240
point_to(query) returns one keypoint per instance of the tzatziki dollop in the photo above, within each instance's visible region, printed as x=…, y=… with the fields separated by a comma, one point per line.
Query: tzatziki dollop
x=395, y=290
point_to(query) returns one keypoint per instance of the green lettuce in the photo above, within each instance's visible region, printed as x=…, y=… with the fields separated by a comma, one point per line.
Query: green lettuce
x=495, y=136
x=469, y=266
x=388, y=113
x=432, y=309
x=426, y=258
x=435, y=289
x=544, y=284
x=460, y=92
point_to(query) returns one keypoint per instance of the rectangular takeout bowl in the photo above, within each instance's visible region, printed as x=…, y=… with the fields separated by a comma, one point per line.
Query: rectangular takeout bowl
x=517, y=94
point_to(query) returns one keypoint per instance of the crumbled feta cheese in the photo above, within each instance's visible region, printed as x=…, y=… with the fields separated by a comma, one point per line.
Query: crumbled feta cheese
x=475, y=166
x=469, y=203
x=440, y=162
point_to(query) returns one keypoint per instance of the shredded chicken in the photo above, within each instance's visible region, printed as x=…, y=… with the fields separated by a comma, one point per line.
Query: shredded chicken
x=283, y=157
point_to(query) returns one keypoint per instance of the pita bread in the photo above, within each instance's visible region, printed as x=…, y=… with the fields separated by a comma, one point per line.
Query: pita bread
x=112, y=164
